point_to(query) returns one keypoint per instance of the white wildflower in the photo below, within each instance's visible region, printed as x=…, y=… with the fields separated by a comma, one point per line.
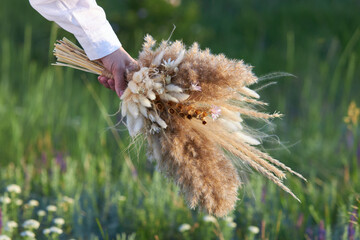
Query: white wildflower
x=68, y=200
x=41, y=213
x=13, y=188
x=4, y=237
x=18, y=202
x=28, y=234
x=253, y=229
x=31, y=224
x=56, y=230
x=184, y=227
x=59, y=221
x=231, y=224
x=209, y=218
x=5, y=200
x=229, y=219
x=46, y=231
x=33, y=203
x=51, y=208
x=168, y=64
x=9, y=226
x=12, y=224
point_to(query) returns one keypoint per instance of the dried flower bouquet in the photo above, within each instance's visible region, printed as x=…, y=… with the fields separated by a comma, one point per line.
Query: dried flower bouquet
x=190, y=105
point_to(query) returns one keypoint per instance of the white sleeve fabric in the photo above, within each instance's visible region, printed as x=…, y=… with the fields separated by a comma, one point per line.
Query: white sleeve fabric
x=86, y=20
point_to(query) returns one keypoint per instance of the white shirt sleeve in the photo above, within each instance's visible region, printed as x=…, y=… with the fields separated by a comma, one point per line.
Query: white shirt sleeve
x=86, y=20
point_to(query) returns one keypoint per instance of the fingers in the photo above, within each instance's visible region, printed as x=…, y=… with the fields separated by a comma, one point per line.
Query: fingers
x=111, y=83
x=132, y=66
x=119, y=83
x=107, y=82
x=104, y=81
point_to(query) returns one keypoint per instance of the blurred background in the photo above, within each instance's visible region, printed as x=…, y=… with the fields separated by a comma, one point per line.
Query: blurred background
x=58, y=145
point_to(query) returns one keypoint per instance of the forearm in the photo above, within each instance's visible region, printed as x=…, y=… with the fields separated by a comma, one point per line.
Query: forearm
x=86, y=20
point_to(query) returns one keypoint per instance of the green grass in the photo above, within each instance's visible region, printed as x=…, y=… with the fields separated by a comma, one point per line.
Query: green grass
x=56, y=136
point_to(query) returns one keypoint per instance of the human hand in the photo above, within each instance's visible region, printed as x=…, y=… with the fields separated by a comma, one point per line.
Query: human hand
x=117, y=63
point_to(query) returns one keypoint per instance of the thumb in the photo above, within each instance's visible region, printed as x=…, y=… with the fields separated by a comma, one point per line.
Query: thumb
x=132, y=67
x=120, y=84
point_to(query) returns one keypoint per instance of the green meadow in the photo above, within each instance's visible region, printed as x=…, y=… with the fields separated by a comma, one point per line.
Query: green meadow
x=61, y=145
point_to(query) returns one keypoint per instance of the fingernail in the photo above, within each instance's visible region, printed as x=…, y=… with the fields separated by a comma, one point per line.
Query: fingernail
x=121, y=93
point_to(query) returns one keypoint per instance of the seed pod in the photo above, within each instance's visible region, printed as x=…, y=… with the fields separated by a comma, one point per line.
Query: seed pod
x=179, y=107
x=171, y=103
x=171, y=111
x=159, y=106
x=191, y=111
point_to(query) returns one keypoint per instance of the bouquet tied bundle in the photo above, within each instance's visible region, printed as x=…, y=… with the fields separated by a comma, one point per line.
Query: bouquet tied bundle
x=190, y=105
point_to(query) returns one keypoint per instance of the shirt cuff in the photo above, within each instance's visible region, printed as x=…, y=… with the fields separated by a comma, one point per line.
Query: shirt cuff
x=99, y=43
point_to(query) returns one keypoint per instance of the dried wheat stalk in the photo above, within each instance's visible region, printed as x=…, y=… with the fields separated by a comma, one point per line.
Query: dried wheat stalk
x=189, y=104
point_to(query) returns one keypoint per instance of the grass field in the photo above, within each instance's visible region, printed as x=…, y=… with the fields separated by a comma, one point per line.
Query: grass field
x=57, y=142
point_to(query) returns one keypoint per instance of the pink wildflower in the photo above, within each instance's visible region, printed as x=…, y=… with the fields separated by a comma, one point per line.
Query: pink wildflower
x=215, y=112
x=195, y=87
